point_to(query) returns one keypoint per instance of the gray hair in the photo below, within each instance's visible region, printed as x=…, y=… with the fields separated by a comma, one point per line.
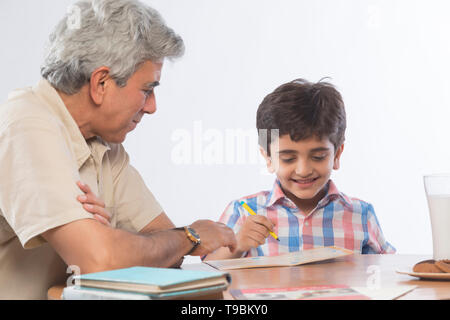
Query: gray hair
x=119, y=34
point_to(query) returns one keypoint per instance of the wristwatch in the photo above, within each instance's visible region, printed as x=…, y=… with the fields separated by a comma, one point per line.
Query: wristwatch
x=191, y=235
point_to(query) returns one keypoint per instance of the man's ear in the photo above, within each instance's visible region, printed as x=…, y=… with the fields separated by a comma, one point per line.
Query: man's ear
x=337, y=157
x=98, y=84
x=269, y=163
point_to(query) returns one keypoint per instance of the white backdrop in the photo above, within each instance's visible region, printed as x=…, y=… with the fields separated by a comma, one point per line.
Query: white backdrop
x=390, y=60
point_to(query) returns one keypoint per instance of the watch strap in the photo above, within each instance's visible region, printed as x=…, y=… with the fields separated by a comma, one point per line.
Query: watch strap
x=195, y=241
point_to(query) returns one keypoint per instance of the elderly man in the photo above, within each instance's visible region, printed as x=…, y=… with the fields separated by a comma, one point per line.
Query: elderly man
x=102, y=65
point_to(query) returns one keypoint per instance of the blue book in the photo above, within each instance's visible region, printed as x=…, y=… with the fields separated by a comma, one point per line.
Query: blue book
x=156, y=281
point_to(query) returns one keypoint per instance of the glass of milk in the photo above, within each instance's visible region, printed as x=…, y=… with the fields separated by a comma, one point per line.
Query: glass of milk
x=437, y=188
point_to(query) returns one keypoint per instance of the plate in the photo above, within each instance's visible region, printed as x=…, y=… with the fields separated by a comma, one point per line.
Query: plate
x=425, y=275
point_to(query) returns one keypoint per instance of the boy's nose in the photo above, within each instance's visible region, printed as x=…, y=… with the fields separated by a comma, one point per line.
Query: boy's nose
x=303, y=169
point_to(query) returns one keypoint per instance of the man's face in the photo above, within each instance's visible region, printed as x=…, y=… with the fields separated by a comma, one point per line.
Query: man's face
x=303, y=167
x=123, y=108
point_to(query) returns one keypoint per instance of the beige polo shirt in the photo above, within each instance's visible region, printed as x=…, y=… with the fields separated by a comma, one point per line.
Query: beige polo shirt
x=42, y=155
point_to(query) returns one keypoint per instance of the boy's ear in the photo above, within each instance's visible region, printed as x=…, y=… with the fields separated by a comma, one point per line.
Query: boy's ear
x=337, y=157
x=270, y=166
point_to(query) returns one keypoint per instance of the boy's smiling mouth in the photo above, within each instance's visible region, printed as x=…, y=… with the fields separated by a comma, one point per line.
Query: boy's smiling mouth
x=304, y=182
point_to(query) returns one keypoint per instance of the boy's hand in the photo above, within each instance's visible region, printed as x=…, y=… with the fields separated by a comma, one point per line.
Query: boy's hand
x=93, y=205
x=253, y=233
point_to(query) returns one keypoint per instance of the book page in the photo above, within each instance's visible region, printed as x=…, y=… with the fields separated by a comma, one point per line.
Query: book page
x=288, y=259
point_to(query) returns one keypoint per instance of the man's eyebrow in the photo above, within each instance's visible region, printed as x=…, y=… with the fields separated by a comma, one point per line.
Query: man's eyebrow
x=152, y=84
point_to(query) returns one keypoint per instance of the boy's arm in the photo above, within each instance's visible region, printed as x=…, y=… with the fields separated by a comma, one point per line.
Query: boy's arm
x=377, y=242
x=224, y=253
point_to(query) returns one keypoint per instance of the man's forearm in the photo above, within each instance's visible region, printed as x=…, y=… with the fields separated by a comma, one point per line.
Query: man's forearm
x=157, y=249
x=94, y=247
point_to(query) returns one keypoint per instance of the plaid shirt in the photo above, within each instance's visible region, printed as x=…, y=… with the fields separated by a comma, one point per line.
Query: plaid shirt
x=337, y=220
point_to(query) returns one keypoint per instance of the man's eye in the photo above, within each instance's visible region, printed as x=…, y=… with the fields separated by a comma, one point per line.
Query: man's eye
x=148, y=92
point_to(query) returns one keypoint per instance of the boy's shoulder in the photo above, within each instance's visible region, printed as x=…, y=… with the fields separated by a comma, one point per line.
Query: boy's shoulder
x=256, y=201
x=350, y=203
x=356, y=205
x=259, y=198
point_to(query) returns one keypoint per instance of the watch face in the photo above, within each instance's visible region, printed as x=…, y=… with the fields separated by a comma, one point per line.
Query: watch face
x=195, y=234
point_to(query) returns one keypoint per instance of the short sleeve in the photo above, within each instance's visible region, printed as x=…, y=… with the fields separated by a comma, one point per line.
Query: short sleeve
x=135, y=204
x=376, y=241
x=38, y=180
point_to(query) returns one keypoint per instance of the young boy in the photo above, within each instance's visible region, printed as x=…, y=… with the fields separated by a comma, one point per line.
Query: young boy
x=301, y=128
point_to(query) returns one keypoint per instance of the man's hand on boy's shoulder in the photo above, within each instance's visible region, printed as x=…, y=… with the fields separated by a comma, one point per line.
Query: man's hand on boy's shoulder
x=253, y=233
x=213, y=235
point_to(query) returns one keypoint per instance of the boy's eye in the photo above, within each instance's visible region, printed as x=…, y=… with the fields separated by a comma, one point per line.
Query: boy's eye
x=288, y=160
x=318, y=158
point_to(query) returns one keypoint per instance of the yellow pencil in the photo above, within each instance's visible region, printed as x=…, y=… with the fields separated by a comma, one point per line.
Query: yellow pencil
x=254, y=214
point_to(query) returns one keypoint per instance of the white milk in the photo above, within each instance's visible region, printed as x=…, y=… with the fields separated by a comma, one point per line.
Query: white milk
x=439, y=206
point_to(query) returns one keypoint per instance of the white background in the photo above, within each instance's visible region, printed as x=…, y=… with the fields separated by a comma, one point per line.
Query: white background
x=389, y=59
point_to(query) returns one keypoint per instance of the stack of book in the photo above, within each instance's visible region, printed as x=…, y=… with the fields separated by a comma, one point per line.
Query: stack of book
x=145, y=283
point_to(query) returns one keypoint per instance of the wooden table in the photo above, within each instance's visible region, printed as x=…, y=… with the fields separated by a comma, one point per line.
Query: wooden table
x=355, y=270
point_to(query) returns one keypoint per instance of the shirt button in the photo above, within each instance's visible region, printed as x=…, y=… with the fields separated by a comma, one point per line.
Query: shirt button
x=306, y=223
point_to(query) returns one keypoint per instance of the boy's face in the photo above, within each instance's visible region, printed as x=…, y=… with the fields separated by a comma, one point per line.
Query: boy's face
x=303, y=167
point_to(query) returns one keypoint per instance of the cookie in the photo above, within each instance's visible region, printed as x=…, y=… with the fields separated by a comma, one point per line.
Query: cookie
x=443, y=265
x=426, y=266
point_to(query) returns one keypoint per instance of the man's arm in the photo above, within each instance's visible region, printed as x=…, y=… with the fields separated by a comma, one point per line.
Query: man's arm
x=96, y=206
x=95, y=247
x=161, y=222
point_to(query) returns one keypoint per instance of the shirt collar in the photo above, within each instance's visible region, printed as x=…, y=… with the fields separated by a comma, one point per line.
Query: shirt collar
x=333, y=194
x=277, y=195
x=46, y=92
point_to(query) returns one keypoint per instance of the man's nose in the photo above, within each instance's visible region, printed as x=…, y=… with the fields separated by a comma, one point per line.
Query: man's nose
x=150, y=105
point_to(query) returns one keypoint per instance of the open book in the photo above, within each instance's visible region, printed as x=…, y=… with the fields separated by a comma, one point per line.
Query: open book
x=283, y=260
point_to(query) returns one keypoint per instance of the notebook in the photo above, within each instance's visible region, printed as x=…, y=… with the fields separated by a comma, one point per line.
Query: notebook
x=322, y=292
x=149, y=280
x=86, y=293
x=283, y=260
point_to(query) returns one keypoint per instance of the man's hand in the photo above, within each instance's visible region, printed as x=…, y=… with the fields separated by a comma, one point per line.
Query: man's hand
x=253, y=233
x=213, y=235
x=92, y=204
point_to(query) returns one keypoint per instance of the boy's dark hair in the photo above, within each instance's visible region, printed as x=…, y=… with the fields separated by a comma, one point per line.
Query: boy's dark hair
x=302, y=109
